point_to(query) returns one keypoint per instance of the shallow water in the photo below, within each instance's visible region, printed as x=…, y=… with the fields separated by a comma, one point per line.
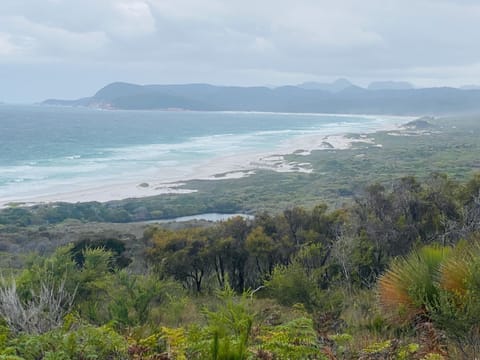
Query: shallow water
x=214, y=217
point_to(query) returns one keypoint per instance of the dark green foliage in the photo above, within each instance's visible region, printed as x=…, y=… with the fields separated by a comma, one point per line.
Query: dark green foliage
x=182, y=255
x=115, y=246
x=244, y=252
x=291, y=284
x=324, y=262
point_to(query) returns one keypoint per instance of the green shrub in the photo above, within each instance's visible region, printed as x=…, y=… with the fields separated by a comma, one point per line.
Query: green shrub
x=84, y=342
x=291, y=284
x=296, y=339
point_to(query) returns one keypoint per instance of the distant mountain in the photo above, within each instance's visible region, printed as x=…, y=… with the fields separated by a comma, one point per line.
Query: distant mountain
x=336, y=86
x=351, y=99
x=390, y=85
x=79, y=102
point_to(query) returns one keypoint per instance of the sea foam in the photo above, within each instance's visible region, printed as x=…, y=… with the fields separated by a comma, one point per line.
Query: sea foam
x=116, y=151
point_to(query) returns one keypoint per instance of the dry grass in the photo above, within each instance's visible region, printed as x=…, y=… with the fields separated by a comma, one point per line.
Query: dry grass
x=44, y=312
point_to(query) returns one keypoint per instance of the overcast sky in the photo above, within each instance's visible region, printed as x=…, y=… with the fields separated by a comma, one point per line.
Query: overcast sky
x=71, y=48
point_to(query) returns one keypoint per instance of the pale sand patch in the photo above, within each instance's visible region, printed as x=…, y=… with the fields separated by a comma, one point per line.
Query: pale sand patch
x=228, y=175
x=102, y=193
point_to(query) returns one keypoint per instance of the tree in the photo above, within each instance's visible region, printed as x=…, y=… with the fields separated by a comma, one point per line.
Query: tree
x=261, y=249
x=108, y=242
x=182, y=254
x=295, y=218
x=236, y=231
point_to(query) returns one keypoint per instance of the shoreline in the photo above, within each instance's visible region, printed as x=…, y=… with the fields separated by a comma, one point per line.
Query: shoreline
x=246, y=112
x=219, y=168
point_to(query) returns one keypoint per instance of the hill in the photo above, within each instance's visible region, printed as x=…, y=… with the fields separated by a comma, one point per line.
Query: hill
x=304, y=98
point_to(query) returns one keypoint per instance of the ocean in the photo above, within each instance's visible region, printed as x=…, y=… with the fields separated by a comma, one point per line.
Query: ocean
x=49, y=152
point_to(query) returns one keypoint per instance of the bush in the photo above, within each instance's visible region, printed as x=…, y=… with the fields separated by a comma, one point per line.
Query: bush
x=83, y=342
x=43, y=312
x=291, y=284
x=439, y=285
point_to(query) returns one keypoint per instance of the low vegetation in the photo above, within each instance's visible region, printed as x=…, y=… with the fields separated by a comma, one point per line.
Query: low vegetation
x=393, y=275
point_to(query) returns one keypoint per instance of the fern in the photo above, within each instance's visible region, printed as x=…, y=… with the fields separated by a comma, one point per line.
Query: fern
x=294, y=340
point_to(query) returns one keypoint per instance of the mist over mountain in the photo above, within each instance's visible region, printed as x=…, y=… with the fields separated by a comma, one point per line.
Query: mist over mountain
x=470, y=87
x=340, y=96
x=390, y=85
x=336, y=86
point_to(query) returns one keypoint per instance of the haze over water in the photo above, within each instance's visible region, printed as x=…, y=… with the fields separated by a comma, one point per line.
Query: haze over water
x=46, y=151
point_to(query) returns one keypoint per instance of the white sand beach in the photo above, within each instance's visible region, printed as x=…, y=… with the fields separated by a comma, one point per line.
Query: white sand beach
x=216, y=169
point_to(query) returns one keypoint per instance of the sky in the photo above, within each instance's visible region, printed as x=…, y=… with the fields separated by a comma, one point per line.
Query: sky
x=72, y=48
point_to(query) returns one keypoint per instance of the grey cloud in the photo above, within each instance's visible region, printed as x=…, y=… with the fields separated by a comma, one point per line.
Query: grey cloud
x=254, y=42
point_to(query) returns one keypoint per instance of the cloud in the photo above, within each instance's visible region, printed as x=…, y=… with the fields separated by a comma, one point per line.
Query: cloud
x=7, y=48
x=454, y=75
x=233, y=42
x=114, y=17
x=38, y=42
x=331, y=29
x=130, y=19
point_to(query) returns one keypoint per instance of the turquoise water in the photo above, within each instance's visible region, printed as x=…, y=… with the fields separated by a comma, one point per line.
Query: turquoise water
x=46, y=149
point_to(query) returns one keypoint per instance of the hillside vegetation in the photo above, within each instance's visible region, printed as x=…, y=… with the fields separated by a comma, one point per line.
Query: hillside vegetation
x=348, y=98
x=394, y=275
